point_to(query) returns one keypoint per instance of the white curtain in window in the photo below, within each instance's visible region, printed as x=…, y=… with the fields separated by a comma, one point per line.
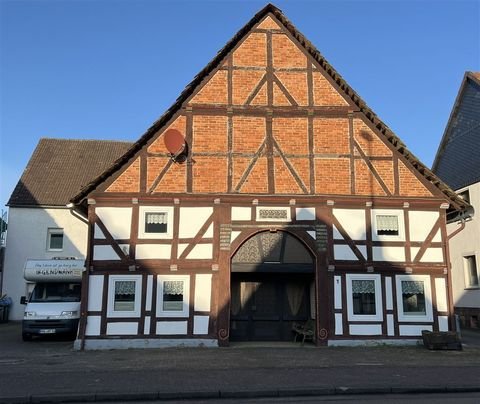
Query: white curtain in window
x=412, y=287
x=124, y=287
x=156, y=218
x=387, y=222
x=363, y=286
x=173, y=287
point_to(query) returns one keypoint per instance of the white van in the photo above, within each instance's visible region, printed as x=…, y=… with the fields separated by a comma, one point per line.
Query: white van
x=53, y=307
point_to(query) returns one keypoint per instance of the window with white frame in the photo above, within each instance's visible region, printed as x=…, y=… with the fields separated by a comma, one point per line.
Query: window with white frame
x=471, y=271
x=155, y=222
x=364, y=297
x=54, y=239
x=124, y=295
x=388, y=224
x=414, y=298
x=173, y=292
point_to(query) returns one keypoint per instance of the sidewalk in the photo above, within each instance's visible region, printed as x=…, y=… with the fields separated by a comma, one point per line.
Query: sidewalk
x=50, y=371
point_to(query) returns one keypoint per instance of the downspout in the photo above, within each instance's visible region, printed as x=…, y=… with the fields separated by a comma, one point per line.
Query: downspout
x=453, y=321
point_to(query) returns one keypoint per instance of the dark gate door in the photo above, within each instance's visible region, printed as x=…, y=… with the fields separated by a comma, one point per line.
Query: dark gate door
x=264, y=306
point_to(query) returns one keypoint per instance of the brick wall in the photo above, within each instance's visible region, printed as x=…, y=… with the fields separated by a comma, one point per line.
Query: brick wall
x=214, y=165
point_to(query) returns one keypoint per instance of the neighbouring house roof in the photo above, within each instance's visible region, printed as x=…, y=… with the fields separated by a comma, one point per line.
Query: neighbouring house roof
x=458, y=158
x=455, y=201
x=59, y=168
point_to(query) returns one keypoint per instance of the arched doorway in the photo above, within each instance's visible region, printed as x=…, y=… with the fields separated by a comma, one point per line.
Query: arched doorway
x=272, y=286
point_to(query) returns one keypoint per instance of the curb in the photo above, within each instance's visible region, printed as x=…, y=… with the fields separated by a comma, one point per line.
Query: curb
x=226, y=394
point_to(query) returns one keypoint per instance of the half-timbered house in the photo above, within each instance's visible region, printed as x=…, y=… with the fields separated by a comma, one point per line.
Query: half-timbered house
x=289, y=200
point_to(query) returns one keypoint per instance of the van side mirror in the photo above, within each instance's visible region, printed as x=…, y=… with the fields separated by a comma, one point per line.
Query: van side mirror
x=23, y=300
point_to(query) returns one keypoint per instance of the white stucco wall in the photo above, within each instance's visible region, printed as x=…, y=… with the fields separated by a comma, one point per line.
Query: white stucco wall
x=467, y=242
x=27, y=238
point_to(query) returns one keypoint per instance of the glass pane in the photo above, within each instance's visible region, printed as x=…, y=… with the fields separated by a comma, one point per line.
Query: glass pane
x=56, y=292
x=387, y=225
x=364, y=303
x=471, y=264
x=124, y=296
x=173, y=295
x=156, y=222
x=56, y=241
x=413, y=297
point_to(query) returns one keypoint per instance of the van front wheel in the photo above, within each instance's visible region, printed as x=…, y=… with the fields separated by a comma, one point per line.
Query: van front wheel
x=26, y=336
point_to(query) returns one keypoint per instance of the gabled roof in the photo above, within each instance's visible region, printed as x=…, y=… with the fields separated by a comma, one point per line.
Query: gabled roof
x=59, y=168
x=457, y=160
x=453, y=198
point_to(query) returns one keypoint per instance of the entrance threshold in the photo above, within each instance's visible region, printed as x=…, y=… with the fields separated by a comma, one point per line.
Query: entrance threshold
x=270, y=344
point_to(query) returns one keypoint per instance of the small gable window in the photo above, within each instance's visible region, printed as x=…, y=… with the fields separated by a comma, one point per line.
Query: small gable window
x=387, y=225
x=155, y=222
x=55, y=240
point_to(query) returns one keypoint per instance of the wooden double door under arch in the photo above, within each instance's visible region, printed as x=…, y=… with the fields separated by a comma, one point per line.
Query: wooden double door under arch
x=272, y=287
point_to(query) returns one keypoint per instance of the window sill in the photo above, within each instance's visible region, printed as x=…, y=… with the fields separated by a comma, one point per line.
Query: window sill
x=472, y=288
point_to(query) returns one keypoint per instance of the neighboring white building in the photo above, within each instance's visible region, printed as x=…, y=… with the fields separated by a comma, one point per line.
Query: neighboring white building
x=40, y=225
x=458, y=164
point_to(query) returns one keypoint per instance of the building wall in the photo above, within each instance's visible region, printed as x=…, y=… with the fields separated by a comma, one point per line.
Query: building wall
x=27, y=239
x=268, y=129
x=466, y=243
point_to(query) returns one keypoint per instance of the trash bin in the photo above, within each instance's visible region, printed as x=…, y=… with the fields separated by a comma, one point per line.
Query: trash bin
x=5, y=303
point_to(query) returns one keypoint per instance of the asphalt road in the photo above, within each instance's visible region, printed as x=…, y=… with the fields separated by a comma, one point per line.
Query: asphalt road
x=46, y=370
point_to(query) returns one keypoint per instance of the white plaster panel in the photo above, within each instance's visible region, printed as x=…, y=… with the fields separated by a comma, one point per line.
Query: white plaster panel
x=336, y=233
x=201, y=251
x=388, y=293
x=209, y=232
x=95, y=292
x=305, y=213
x=241, y=213
x=394, y=254
x=104, y=252
x=390, y=325
x=438, y=237
x=203, y=290
x=234, y=235
x=365, y=329
x=200, y=325
x=338, y=324
x=192, y=219
x=443, y=323
x=421, y=224
x=99, y=233
x=153, y=251
x=353, y=221
x=337, y=291
x=441, y=292
x=414, y=251
x=344, y=252
x=312, y=234
x=122, y=328
x=413, y=330
x=116, y=220
x=93, y=325
x=171, y=328
x=146, y=328
x=148, y=303
x=432, y=255
x=181, y=249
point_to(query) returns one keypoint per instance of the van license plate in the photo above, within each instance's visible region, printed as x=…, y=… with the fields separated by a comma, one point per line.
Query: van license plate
x=47, y=331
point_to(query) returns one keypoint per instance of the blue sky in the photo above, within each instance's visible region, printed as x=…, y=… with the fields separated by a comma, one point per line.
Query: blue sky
x=107, y=69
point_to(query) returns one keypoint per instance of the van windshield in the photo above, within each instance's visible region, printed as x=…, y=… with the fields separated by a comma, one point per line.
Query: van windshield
x=56, y=292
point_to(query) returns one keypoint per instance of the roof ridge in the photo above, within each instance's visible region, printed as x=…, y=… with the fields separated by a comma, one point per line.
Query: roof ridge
x=85, y=140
